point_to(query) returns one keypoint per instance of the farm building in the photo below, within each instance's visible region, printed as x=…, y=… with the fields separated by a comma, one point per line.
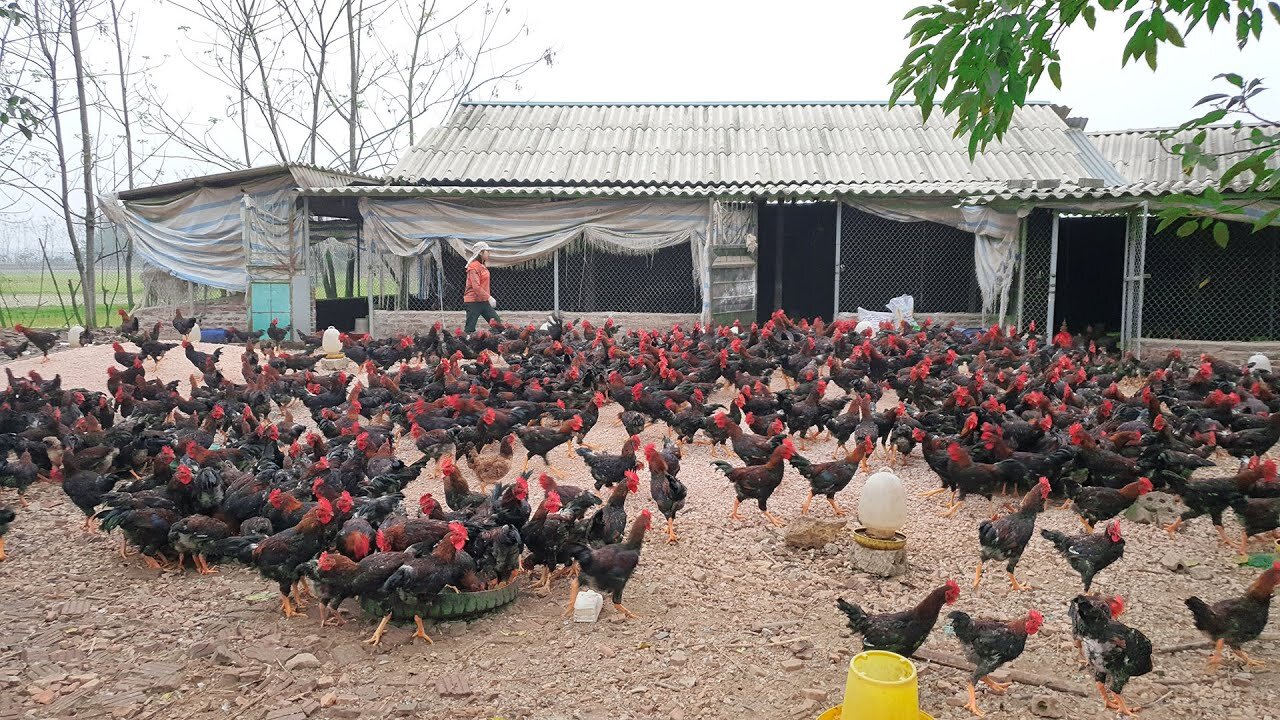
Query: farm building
x=669, y=212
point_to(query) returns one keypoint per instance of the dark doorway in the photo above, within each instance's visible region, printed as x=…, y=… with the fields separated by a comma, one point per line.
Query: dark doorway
x=807, y=256
x=1090, y=274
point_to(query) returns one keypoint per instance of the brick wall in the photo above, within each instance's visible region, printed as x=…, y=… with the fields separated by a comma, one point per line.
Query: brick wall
x=227, y=312
x=404, y=322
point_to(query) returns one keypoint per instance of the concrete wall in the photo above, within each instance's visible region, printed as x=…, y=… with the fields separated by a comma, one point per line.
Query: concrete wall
x=1155, y=349
x=227, y=312
x=404, y=322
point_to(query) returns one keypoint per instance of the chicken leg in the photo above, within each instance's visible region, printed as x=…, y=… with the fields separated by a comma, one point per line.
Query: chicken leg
x=1172, y=528
x=955, y=507
x=573, y=597
x=931, y=493
x=625, y=612
x=1088, y=527
x=286, y=605
x=203, y=566
x=2, y=553
x=839, y=511
x=734, y=514
x=1015, y=585
x=1248, y=661
x=1216, y=658
x=1222, y=536
x=977, y=576
x=671, y=531
x=376, y=638
x=804, y=507
x=772, y=518
x=972, y=705
x=421, y=632
x=997, y=688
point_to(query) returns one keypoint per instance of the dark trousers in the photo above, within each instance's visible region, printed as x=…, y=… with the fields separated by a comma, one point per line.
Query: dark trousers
x=476, y=310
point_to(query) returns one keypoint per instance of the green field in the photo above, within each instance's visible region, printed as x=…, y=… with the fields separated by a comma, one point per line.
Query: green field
x=27, y=296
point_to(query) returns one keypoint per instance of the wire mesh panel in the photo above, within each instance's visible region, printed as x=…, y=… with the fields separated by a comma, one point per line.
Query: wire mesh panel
x=881, y=259
x=593, y=280
x=521, y=288
x=1196, y=290
x=1035, y=269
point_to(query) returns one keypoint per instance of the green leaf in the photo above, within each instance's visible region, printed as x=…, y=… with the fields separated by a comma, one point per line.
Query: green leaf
x=1175, y=37
x=1232, y=78
x=1187, y=228
x=1267, y=219
x=1274, y=7
x=1221, y=234
x=1209, y=98
x=1090, y=19
x=1055, y=74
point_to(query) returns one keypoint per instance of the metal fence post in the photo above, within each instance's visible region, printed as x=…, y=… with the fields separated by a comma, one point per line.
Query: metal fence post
x=1053, y=274
x=835, y=310
x=1141, y=271
x=555, y=282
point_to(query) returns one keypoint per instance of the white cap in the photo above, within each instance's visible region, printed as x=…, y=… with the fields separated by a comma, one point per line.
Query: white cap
x=477, y=249
x=1259, y=363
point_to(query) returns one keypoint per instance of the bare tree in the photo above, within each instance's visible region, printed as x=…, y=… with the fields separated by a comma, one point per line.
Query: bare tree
x=88, y=272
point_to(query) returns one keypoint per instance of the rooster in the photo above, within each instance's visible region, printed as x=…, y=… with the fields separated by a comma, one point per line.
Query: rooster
x=667, y=491
x=14, y=351
x=1239, y=620
x=757, y=482
x=181, y=324
x=129, y=324
x=900, y=632
x=42, y=340
x=1115, y=651
x=988, y=644
x=610, y=567
x=1005, y=538
x=1089, y=554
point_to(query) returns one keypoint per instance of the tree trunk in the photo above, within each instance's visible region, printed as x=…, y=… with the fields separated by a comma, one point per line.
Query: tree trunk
x=87, y=284
x=353, y=48
x=128, y=150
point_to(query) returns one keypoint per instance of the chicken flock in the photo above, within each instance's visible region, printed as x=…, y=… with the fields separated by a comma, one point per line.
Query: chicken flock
x=226, y=472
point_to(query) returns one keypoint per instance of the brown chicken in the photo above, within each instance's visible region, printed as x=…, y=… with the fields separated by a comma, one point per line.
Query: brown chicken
x=757, y=482
x=491, y=469
x=1239, y=620
x=42, y=340
x=1004, y=538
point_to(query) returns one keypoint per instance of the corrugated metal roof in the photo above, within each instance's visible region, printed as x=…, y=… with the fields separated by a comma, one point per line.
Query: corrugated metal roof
x=678, y=147
x=723, y=191
x=307, y=176
x=1140, y=156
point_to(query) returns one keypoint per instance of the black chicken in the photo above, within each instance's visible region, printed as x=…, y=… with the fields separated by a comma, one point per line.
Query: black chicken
x=900, y=632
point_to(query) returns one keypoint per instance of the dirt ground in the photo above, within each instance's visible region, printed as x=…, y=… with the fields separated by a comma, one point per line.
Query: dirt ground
x=732, y=622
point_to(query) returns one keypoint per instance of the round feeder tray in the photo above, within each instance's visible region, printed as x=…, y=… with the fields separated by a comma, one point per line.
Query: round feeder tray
x=834, y=714
x=450, y=605
x=866, y=540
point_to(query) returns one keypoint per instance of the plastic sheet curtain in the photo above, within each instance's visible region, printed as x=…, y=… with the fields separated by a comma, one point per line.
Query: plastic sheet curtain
x=530, y=231
x=198, y=235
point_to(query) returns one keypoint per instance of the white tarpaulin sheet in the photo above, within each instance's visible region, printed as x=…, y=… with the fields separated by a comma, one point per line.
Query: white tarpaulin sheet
x=525, y=231
x=198, y=235
x=995, y=238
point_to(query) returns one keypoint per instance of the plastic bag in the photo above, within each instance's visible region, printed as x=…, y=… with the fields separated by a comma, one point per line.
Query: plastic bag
x=900, y=308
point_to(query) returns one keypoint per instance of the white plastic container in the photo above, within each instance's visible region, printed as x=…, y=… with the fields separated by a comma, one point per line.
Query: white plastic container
x=193, y=336
x=587, y=607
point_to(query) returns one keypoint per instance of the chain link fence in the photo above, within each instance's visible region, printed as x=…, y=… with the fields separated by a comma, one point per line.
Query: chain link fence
x=881, y=259
x=1034, y=281
x=1196, y=290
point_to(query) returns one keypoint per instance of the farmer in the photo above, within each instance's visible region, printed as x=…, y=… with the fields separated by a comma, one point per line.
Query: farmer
x=479, y=302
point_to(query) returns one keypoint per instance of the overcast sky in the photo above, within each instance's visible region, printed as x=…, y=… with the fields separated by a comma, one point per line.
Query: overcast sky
x=702, y=50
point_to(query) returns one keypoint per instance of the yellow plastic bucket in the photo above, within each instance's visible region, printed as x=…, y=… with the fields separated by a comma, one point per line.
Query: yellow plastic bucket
x=834, y=714
x=881, y=685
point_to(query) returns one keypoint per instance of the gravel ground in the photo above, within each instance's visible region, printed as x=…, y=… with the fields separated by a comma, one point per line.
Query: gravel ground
x=732, y=622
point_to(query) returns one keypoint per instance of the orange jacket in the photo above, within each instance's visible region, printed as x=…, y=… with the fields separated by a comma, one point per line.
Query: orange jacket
x=477, y=289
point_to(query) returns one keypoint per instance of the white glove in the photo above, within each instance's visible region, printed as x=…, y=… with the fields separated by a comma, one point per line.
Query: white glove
x=493, y=302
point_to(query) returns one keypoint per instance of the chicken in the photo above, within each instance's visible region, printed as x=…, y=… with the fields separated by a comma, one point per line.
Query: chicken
x=830, y=478
x=85, y=488
x=1005, y=538
x=667, y=491
x=609, y=568
x=900, y=632
x=1256, y=516
x=19, y=474
x=1089, y=554
x=610, y=521
x=970, y=478
x=1252, y=441
x=988, y=644
x=1207, y=496
x=751, y=449
x=145, y=526
x=757, y=482
x=544, y=536
x=539, y=441
x=1110, y=604
x=608, y=470
x=457, y=494
x=341, y=578
x=1114, y=651
x=1239, y=620
x=7, y=516
x=129, y=324
x=181, y=324
x=197, y=535
x=1098, y=503
x=491, y=469
x=42, y=340
x=15, y=350
x=420, y=580
x=278, y=334
x=281, y=556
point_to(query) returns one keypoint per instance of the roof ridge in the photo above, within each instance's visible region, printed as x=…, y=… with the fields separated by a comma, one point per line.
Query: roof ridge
x=678, y=103
x=1134, y=131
